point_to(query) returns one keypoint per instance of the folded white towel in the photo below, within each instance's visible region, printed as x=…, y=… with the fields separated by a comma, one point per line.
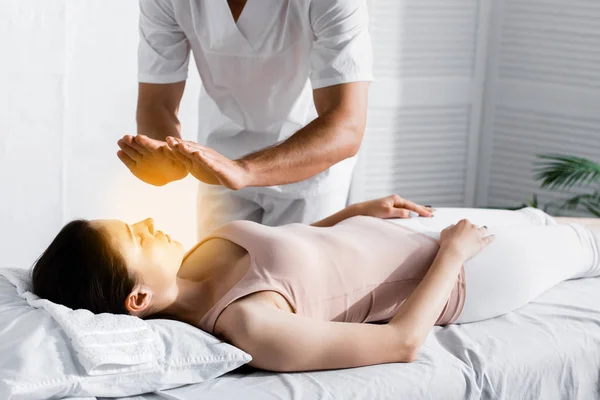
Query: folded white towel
x=103, y=343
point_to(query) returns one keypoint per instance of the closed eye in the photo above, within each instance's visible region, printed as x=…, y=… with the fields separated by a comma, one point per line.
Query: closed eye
x=141, y=237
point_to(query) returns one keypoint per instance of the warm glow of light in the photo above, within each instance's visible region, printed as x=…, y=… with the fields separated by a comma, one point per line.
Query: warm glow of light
x=173, y=206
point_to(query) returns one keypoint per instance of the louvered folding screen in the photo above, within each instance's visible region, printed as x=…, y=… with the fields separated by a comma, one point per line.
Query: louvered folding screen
x=424, y=106
x=542, y=94
x=467, y=93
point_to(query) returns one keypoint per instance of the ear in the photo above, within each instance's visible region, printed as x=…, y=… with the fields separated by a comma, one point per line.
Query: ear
x=138, y=301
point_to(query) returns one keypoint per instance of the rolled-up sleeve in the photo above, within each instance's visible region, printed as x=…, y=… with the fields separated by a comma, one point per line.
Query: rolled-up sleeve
x=342, y=50
x=163, y=51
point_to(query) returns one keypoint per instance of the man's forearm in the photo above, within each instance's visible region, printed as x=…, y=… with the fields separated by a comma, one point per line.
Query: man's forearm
x=324, y=142
x=157, y=109
x=157, y=122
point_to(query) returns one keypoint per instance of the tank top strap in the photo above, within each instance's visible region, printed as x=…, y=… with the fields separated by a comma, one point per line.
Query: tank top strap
x=247, y=234
x=240, y=232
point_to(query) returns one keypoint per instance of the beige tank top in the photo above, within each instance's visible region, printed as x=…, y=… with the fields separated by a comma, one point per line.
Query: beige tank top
x=359, y=270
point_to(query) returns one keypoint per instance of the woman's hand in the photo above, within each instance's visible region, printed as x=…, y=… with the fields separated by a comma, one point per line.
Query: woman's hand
x=149, y=160
x=392, y=206
x=465, y=239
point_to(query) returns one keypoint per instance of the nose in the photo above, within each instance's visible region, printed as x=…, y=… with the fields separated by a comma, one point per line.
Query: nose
x=149, y=222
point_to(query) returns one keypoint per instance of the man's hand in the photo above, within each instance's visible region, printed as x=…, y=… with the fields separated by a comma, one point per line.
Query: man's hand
x=150, y=161
x=392, y=206
x=208, y=166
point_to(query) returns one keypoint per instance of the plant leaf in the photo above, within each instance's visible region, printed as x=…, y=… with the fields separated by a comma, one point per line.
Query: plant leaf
x=591, y=202
x=560, y=171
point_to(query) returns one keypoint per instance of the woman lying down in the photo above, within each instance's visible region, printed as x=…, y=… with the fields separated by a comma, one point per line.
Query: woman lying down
x=301, y=297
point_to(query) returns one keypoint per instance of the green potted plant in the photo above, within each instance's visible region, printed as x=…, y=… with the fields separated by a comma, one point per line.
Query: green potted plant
x=562, y=172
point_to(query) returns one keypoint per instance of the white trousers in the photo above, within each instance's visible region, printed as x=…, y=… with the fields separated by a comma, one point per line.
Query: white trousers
x=217, y=205
x=530, y=254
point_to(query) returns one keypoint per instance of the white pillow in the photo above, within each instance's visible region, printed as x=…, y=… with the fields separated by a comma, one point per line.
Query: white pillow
x=37, y=358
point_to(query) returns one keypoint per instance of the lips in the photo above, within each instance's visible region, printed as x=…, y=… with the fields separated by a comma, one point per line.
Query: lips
x=165, y=235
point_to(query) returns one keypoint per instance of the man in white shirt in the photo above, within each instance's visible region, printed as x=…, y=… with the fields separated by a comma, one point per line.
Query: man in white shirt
x=282, y=111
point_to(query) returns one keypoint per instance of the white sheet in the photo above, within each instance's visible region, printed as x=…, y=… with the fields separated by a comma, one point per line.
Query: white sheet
x=548, y=349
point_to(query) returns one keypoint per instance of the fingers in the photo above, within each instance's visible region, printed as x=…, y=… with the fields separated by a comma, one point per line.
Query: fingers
x=183, y=157
x=140, y=145
x=129, y=163
x=483, y=231
x=126, y=147
x=423, y=211
x=170, y=154
x=172, y=142
x=191, y=148
x=488, y=239
x=401, y=213
x=193, y=159
x=207, y=156
x=177, y=148
x=194, y=152
x=178, y=145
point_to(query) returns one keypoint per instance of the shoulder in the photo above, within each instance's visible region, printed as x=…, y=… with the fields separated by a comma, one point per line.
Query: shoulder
x=319, y=8
x=248, y=314
x=241, y=318
x=235, y=224
x=156, y=8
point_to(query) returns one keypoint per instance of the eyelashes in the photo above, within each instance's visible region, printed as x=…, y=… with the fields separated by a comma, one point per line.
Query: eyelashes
x=141, y=238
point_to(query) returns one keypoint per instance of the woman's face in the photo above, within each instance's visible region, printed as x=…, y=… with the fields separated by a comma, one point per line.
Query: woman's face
x=149, y=253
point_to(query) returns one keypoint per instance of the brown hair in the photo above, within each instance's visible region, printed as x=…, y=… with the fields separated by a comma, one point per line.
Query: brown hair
x=80, y=269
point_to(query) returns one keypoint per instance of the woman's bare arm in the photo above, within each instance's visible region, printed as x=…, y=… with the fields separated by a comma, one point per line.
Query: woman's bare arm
x=458, y=243
x=282, y=341
x=392, y=206
x=339, y=216
x=422, y=308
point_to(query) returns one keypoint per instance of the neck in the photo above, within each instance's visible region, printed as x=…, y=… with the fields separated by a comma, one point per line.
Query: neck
x=188, y=298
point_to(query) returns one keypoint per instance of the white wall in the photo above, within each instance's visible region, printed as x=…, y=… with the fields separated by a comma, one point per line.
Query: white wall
x=68, y=92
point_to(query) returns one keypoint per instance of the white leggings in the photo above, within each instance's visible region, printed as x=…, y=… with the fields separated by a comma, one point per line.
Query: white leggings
x=530, y=254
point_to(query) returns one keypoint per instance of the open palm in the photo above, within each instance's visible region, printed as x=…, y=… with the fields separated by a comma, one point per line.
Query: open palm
x=150, y=161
